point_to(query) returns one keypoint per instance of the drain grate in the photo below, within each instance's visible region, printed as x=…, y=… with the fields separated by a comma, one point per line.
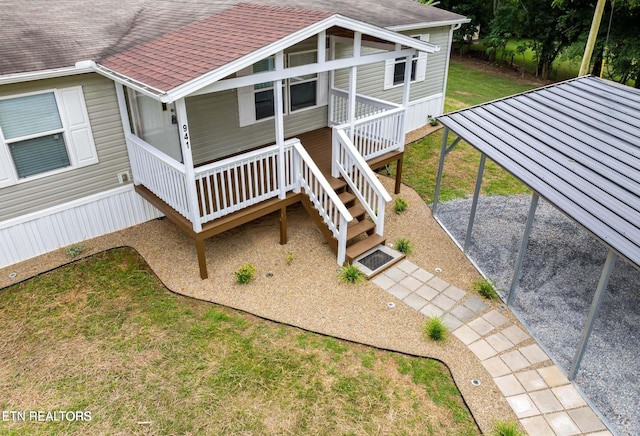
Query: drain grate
x=375, y=260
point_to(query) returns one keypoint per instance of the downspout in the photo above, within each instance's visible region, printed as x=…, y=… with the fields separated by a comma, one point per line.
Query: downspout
x=446, y=67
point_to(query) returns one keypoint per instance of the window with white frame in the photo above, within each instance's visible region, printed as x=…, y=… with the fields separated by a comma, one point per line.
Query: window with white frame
x=256, y=102
x=395, y=68
x=44, y=133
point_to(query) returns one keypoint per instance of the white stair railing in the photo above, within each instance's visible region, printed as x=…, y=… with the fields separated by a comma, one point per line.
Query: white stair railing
x=378, y=134
x=360, y=178
x=325, y=200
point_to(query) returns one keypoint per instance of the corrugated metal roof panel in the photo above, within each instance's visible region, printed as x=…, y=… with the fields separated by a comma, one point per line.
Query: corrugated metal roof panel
x=577, y=144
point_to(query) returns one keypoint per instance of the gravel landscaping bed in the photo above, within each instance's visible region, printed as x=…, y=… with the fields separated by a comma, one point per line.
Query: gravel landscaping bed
x=560, y=274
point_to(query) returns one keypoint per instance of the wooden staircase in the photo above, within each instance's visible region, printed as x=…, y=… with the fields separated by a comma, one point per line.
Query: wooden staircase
x=361, y=236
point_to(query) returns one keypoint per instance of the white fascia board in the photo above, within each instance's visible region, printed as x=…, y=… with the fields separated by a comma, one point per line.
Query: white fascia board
x=44, y=74
x=431, y=24
x=198, y=83
x=130, y=83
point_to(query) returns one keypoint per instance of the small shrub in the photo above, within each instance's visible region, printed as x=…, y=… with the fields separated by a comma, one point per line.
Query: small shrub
x=506, y=429
x=435, y=329
x=245, y=274
x=400, y=205
x=75, y=250
x=404, y=246
x=289, y=258
x=432, y=121
x=485, y=288
x=351, y=274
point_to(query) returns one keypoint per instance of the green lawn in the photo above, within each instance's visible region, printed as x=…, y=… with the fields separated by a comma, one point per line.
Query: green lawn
x=103, y=335
x=466, y=87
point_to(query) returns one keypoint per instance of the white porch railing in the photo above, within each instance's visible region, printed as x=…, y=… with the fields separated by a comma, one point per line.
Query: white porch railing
x=378, y=134
x=160, y=173
x=360, y=178
x=365, y=106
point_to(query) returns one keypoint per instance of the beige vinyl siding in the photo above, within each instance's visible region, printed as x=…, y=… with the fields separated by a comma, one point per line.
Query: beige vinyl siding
x=370, y=79
x=102, y=106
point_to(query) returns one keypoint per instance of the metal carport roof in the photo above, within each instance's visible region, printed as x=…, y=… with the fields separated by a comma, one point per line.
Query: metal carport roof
x=576, y=144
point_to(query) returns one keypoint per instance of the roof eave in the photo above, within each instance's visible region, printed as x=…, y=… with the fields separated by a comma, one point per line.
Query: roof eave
x=79, y=68
x=427, y=25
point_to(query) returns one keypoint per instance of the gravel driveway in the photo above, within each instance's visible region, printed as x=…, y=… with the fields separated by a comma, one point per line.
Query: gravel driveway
x=561, y=271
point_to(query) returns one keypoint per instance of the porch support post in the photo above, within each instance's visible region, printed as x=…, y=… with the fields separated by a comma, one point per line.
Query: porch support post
x=406, y=93
x=474, y=204
x=523, y=248
x=187, y=157
x=279, y=122
x=593, y=312
x=126, y=127
x=443, y=153
x=202, y=258
x=353, y=74
x=283, y=225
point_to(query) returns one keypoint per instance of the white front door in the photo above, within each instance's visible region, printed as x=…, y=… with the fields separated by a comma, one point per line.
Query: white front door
x=157, y=125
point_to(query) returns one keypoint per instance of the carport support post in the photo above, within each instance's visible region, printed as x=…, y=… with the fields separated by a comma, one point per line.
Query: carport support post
x=443, y=153
x=523, y=248
x=593, y=312
x=474, y=205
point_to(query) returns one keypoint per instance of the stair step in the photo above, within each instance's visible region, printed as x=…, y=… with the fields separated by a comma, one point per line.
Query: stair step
x=364, y=226
x=346, y=197
x=336, y=184
x=360, y=247
x=357, y=211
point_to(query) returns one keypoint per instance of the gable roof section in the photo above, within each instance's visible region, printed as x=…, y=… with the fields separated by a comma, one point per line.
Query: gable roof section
x=577, y=144
x=185, y=54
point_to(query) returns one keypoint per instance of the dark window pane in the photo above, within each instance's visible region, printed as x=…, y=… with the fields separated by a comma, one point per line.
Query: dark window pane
x=398, y=71
x=264, y=104
x=303, y=95
x=39, y=155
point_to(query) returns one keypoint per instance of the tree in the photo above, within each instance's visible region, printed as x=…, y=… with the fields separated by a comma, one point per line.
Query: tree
x=478, y=11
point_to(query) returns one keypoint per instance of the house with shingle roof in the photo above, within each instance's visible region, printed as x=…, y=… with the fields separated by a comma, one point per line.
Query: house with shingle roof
x=209, y=113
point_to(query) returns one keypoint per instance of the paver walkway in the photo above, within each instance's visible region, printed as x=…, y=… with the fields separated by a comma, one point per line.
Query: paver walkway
x=543, y=399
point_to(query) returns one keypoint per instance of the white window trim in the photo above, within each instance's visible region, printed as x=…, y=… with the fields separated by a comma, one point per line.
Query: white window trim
x=421, y=66
x=246, y=94
x=76, y=132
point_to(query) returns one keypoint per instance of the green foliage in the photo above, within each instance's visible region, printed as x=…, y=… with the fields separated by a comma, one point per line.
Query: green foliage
x=435, y=329
x=289, y=258
x=245, y=273
x=485, y=288
x=351, y=274
x=506, y=429
x=75, y=250
x=403, y=245
x=400, y=205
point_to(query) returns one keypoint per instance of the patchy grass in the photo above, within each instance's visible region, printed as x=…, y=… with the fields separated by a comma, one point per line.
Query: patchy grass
x=103, y=335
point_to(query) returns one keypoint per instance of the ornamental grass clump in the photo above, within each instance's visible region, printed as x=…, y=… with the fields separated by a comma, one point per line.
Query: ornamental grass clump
x=506, y=429
x=485, y=288
x=403, y=245
x=400, y=205
x=351, y=274
x=435, y=329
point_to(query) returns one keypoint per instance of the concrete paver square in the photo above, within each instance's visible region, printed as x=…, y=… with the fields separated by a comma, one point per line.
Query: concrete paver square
x=569, y=396
x=586, y=419
x=509, y=385
x=515, y=360
x=496, y=367
x=431, y=311
x=499, y=342
x=546, y=401
x=495, y=318
x=523, y=406
x=481, y=326
x=398, y=291
x=466, y=334
x=515, y=334
x=395, y=274
x=454, y=293
x=537, y=425
x=383, y=281
x=451, y=321
x=407, y=266
x=476, y=304
x=438, y=284
x=427, y=292
x=534, y=354
x=531, y=380
x=443, y=302
x=482, y=349
x=553, y=376
x=411, y=283
x=463, y=313
x=562, y=424
x=422, y=275
x=415, y=301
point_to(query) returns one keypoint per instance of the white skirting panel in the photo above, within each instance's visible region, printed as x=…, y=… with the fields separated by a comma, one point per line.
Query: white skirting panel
x=47, y=230
x=419, y=110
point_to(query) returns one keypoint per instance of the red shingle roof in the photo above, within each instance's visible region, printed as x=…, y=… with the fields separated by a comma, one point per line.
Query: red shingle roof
x=187, y=53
